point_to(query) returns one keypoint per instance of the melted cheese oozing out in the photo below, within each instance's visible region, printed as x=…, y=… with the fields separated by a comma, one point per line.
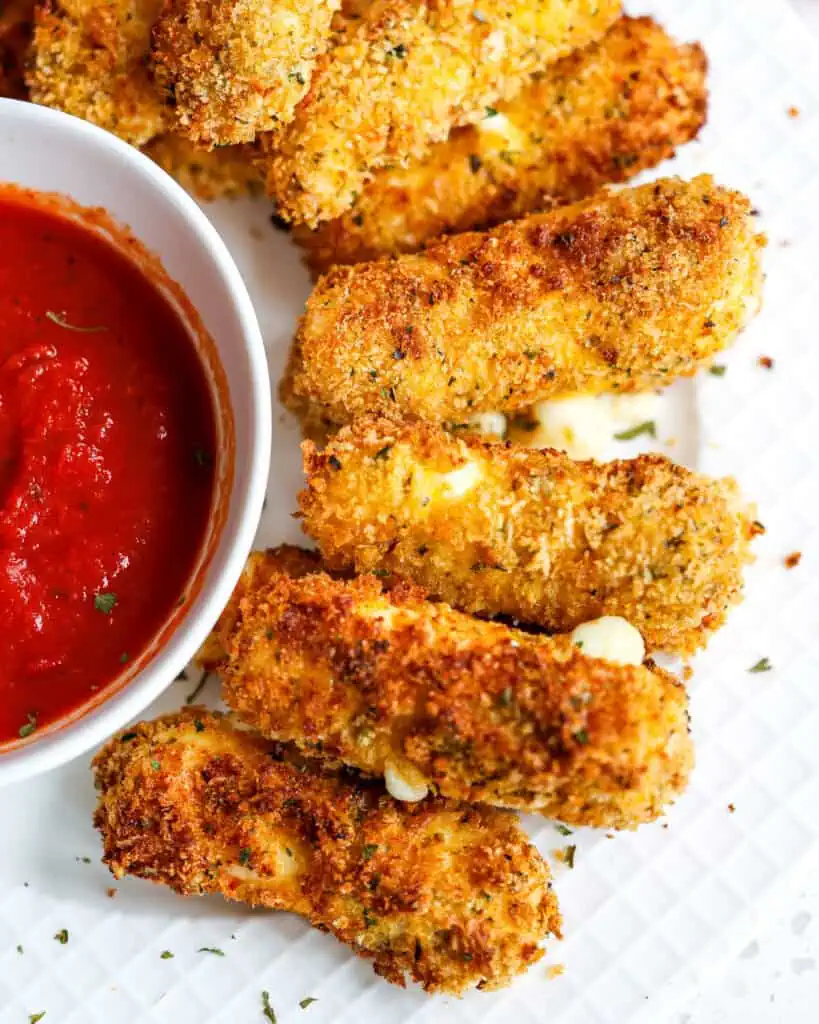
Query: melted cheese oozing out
x=491, y=425
x=584, y=426
x=404, y=781
x=430, y=485
x=504, y=131
x=610, y=638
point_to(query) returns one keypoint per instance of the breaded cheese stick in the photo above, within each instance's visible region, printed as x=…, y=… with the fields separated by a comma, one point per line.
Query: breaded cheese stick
x=624, y=291
x=531, y=534
x=400, y=74
x=88, y=58
x=447, y=895
x=233, y=68
x=600, y=115
x=223, y=173
x=398, y=686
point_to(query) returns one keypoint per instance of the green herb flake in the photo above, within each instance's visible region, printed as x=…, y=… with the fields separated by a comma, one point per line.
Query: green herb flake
x=20, y=950
x=399, y=52
x=156, y=765
x=475, y=163
x=369, y=920
x=128, y=736
x=490, y=112
x=717, y=371
x=123, y=658
x=202, y=458
x=83, y=860
x=304, y=1003
x=296, y=76
x=166, y=954
x=33, y=1018
x=368, y=851
x=382, y=453
x=105, y=602
x=244, y=855
x=199, y=726
x=62, y=936
x=763, y=665
x=267, y=1010
x=30, y=725
x=564, y=830
x=334, y=462
x=211, y=949
x=581, y=737
x=568, y=855
x=60, y=321
x=505, y=697
x=649, y=427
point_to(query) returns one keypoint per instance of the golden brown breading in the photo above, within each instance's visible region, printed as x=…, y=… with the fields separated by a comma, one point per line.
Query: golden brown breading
x=388, y=681
x=16, y=22
x=400, y=74
x=232, y=68
x=500, y=530
x=260, y=568
x=88, y=59
x=223, y=173
x=450, y=896
x=625, y=291
x=600, y=115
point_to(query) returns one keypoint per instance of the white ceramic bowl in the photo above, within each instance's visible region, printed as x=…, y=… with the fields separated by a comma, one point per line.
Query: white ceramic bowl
x=48, y=151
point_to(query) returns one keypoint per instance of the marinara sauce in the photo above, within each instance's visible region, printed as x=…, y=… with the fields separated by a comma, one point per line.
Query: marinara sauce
x=107, y=434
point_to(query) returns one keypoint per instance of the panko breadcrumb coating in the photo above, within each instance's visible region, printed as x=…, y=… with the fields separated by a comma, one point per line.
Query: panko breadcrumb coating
x=447, y=895
x=223, y=173
x=501, y=530
x=600, y=115
x=388, y=681
x=233, y=68
x=624, y=291
x=88, y=58
x=400, y=74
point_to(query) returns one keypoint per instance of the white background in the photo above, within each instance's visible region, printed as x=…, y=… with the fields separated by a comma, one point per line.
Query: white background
x=775, y=979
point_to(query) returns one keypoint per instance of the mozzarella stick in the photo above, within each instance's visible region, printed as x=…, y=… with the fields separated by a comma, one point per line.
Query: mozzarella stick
x=400, y=74
x=233, y=68
x=224, y=173
x=625, y=291
x=89, y=58
x=600, y=115
x=531, y=534
x=398, y=686
x=447, y=895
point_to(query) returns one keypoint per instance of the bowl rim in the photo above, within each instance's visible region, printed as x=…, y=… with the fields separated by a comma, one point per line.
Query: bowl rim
x=89, y=730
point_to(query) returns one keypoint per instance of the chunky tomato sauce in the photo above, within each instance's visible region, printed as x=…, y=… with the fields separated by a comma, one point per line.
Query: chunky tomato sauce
x=107, y=435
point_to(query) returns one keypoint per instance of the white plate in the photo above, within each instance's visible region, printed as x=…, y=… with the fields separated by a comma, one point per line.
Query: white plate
x=645, y=914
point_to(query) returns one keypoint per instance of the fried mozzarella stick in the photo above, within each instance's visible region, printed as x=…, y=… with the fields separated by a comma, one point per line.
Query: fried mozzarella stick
x=448, y=895
x=600, y=115
x=400, y=74
x=223, y=173
x=398, y=686
x=624, y=291
x=531, y=534
x=233, y=68
x=88, y=58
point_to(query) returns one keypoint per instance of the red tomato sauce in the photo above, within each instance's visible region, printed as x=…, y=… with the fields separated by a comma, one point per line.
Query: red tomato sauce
x=107, y=444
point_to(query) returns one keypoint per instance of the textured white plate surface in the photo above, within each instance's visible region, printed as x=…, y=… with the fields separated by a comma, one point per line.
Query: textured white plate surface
x=646, y=914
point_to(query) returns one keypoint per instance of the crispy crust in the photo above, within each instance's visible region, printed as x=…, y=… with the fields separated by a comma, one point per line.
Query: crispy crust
x=400, y=74
x=233, y=68
x=624, y=291
x=600, y=115
x=534, y=536
x=88, y=59
x=486, y=713
x=224, y=173
x=447, y=895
